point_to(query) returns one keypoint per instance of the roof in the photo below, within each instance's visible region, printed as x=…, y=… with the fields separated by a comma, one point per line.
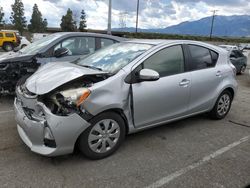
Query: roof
x=157, y=42
x=89, y=34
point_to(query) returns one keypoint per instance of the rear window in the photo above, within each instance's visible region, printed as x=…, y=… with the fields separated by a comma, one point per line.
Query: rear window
x=9, y=35
x=202, y=57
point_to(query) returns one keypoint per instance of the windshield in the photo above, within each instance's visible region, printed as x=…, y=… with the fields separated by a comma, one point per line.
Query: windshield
x=113, y=58
x=36, y=46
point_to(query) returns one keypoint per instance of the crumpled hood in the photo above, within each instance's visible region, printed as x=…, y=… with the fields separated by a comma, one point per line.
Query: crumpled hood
x=52, y=75
x=14, y=56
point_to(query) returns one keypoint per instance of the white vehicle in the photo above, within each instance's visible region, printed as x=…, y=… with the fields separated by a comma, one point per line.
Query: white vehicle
x=229, y=47
x=37, y=36
x=24, y=42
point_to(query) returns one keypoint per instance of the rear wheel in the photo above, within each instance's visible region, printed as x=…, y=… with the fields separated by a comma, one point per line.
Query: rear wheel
x=8, y=46
x=23, y=46
x=222, y=105
x=242, y=69
x=103, y=137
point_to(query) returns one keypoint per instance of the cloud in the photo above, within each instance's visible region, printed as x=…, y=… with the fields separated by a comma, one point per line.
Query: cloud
x=152, y=13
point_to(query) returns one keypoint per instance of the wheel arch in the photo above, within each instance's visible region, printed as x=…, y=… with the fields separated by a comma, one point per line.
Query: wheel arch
x=115, y=110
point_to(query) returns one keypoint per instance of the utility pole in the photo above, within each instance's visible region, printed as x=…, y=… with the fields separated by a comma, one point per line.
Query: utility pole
x=109, y=18
x=212, y=24
x=137, y=12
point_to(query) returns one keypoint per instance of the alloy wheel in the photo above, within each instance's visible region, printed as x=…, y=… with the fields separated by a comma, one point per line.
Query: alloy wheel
x=223, y=104
x=104, y=135
x=242, y=70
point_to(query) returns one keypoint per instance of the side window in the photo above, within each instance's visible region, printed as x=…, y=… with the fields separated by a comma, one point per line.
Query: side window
x=214, y=56
x=10, y=35
x=106, y=42
x=1, y=35
x=166, y=62
x=201, y=57
x=78, y=45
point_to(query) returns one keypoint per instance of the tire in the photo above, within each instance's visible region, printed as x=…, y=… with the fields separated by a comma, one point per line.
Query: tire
x=8, y=46
x=222, y=106
x=242, y=69
x=23, y=46
x=95, y=143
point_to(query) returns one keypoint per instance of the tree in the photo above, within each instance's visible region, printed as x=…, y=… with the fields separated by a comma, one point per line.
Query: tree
x=17, y=16
x=37, y=24
x=68, y=23
x=82, y=24
x=45, y=24
x=1, y=16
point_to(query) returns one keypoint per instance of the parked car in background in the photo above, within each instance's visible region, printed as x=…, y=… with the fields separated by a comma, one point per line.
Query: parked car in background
x=38, y=36
x=239, y=60
x=121, y=89
x=9, y=40
x=24, y=42
x=56, y=47
x=229, y=47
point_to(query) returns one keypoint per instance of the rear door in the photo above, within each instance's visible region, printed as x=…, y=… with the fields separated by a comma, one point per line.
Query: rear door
x=205, y=77
x=166, y=98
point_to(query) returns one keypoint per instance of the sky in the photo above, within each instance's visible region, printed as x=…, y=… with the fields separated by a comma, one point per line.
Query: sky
x=152, y=13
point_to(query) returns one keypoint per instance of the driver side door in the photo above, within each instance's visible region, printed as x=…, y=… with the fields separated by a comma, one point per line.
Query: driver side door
x=77, y=46
x=167, y=98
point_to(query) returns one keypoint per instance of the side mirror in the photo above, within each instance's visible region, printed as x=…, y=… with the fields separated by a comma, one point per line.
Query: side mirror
x=60, y=52
x=148, y=75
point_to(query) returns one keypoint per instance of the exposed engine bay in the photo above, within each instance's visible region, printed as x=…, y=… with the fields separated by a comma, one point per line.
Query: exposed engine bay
x=63, y=100
x=12, y=72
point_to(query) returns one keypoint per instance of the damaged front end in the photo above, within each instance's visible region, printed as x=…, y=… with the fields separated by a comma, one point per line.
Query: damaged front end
x=51, y=123
x=12, y=71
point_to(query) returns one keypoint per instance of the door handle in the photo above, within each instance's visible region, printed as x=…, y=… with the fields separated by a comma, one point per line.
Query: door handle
x=218, y=73
x=184, y=83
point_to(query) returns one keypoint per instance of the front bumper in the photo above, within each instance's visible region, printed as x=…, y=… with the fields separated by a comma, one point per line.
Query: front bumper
x=65, y=130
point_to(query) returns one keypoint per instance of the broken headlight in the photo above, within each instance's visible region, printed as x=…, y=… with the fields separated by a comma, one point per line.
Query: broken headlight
x=73, y=97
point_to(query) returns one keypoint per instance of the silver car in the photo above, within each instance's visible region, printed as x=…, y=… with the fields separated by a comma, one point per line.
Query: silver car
x=119, y=90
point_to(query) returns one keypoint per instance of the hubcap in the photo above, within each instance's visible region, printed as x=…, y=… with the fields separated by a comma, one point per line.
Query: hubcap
x=223, y=104
x=8, y=48
x=243, y=68
x=104, y=136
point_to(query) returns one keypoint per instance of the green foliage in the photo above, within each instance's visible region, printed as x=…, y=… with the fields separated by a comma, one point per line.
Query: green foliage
x=68, y=23
x=82, y=24
x=1, y=16
x=37, y=24
x=183, y=37
x=17, y=16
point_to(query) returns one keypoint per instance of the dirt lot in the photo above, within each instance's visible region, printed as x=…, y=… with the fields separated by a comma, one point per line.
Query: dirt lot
x=196, y=152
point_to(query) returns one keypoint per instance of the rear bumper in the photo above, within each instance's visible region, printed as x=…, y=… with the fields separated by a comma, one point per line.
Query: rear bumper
x=65, y=130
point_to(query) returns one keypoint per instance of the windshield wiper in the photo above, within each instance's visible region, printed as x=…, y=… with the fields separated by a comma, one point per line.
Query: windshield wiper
x=92, y=67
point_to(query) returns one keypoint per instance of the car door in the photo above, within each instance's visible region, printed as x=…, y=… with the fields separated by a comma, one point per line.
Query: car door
x=205, y=77
x=77, y=46
x=158, y=101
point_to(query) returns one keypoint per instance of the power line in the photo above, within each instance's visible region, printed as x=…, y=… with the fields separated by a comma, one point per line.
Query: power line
x=137, y=12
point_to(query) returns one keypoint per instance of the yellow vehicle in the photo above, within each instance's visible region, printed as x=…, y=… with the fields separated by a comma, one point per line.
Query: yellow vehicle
x=9, y=40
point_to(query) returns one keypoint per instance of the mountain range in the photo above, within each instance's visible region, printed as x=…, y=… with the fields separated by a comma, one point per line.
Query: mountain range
x=231, y=26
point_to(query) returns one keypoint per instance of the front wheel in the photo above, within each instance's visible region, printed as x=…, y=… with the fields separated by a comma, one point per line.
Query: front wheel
x=222, y=105
x=103, y=137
